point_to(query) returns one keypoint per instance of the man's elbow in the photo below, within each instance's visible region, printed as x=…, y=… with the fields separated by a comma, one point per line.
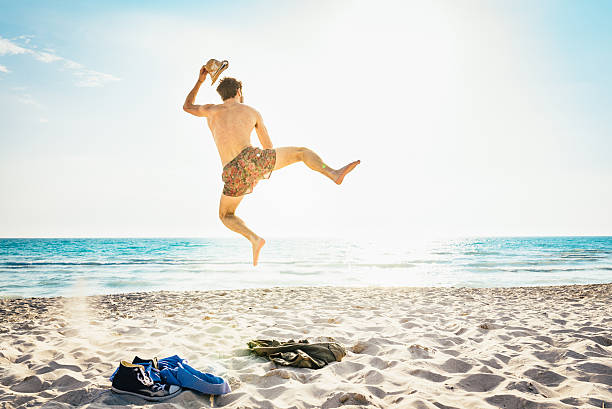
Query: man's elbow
x=189, y=109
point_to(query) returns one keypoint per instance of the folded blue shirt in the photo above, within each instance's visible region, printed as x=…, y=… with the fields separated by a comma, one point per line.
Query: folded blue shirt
x=175, y=371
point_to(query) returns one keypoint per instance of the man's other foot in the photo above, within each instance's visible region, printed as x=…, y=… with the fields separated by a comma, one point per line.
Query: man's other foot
x=257, y=245
x=342, y=172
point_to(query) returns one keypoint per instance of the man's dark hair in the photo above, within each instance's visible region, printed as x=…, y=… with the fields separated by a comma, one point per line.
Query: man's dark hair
x=228, y=88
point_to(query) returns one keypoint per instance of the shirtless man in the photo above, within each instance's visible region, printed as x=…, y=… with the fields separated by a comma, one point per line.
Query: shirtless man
x=231, y=124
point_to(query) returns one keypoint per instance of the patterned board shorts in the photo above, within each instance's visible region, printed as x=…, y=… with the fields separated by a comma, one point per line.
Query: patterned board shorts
x=242, y=173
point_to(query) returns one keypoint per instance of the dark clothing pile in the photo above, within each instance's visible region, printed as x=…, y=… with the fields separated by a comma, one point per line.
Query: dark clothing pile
x=300, y=354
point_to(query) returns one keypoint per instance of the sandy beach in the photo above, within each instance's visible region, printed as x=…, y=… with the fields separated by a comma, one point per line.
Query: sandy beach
x=531, y=347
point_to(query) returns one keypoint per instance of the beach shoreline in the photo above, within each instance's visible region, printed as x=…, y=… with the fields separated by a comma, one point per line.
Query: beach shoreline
x=429, y=347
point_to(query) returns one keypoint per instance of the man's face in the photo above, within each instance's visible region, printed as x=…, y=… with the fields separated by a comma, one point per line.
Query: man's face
x=241, y=96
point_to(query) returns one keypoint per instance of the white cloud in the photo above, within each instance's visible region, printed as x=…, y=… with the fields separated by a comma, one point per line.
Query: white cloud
x=73, y=65
x=10, y=48
x=26, y=38
x=46, y=57
x=84, y=76
x=43, y=120
x=90, y=78
x=27, y=99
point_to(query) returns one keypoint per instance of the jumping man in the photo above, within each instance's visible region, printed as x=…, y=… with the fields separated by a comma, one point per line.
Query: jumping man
x=231, y=124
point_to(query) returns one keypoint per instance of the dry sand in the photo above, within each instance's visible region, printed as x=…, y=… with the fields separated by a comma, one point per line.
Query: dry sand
x=540, y=347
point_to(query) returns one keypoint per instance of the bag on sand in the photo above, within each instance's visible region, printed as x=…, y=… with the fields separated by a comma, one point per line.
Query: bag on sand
x=300, y=354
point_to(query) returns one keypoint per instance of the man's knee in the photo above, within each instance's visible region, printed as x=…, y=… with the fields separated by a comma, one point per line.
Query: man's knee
x=300, y=152
x=224, y=214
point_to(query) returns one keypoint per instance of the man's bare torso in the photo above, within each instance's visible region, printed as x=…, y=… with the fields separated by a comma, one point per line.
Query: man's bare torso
x=231, y=125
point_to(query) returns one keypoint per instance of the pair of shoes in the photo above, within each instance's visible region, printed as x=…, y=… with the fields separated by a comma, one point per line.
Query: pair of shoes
x=133, y=379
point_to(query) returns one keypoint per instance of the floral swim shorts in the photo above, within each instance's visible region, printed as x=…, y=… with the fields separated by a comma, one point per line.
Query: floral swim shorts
x=242, y=173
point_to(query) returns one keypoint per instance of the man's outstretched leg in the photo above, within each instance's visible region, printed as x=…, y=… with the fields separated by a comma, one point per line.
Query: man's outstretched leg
x=288, y=155
x=227, y=207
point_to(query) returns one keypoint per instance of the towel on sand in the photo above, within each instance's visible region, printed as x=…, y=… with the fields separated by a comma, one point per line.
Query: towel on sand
x=300, y=354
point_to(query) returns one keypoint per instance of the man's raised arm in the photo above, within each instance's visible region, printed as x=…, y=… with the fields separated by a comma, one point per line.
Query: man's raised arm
x=262, y=133
x=189, y=106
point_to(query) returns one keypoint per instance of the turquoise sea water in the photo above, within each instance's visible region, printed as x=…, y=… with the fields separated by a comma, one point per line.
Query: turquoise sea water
x=51, y=267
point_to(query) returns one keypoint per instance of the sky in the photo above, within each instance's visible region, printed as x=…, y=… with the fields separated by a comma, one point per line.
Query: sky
x=470, y=118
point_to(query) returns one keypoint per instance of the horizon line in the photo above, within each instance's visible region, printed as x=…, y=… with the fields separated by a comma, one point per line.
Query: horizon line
x=306, y=237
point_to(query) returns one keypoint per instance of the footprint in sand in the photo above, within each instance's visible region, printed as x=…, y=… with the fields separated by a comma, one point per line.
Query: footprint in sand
x=545, y=377
x=513, y=401
x=480, y=382
x=68, y=382
x=373, y=377
x=428, y=375
x=31, y=384
x=456, y=366
x=347, y=399
x=421, y=352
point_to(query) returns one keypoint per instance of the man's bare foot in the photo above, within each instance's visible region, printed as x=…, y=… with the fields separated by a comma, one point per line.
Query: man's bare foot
x=257, y=245
x=342, y=172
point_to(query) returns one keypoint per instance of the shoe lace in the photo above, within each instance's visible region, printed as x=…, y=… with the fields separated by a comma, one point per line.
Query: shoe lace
x=157, y=387
x=144, y=377
x=146, y=380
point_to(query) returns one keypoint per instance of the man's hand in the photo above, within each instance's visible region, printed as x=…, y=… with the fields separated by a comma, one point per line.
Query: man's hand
x=203, y=73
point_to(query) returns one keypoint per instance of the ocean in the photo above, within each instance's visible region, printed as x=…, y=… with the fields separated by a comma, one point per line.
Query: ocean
x=70, y=267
